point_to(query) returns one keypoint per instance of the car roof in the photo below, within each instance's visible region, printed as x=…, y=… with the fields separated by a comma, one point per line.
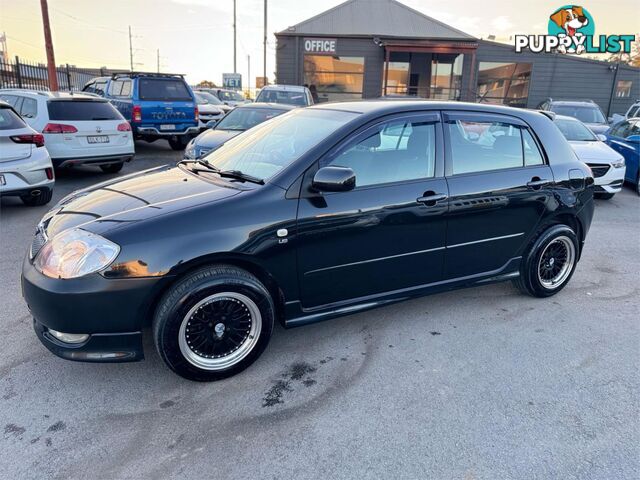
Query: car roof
x=53, y=95
x=270, y=106
x=4, y=104
x=285, y=88
x=585, y=103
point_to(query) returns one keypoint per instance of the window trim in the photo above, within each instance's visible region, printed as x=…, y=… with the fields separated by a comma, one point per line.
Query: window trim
x=448, y=116
x=354, y=137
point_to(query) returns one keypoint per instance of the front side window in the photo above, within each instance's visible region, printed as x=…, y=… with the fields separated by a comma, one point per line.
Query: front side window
x=394, y=151
x=478, y=146
x=266, y=149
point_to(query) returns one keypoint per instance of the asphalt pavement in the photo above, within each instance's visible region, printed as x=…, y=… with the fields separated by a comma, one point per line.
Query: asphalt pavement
x=482, y=383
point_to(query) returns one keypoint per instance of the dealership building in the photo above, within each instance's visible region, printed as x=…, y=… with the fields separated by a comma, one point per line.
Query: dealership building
x=371, y=48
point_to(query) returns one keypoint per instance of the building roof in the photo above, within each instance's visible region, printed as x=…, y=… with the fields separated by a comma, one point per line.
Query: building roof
x=369, y=18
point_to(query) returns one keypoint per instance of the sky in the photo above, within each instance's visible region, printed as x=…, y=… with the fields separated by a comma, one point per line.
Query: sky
x=195, y=37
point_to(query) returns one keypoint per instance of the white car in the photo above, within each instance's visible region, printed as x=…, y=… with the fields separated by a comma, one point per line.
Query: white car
x=289, y=94
x=633, y=111
x=607, y=165
x=208, y=110
x=213, y=98
x=25, y=166
x=78, y=129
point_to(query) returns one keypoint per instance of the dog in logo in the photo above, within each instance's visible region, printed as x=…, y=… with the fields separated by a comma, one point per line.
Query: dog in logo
x=570, y=20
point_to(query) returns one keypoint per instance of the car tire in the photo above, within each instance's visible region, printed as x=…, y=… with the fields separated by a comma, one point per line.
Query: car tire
x=603, y=195
x=177, y=144
x=549, y=262
x=112, y=167
x=42, y=198
x=638, y=183
x=213, y=323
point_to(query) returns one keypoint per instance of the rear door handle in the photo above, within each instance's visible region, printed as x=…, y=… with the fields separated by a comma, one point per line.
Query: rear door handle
x=431, y=200
x=538, y=183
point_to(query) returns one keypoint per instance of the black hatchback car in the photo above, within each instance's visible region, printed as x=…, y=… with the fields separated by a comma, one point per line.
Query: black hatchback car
x=320, y=212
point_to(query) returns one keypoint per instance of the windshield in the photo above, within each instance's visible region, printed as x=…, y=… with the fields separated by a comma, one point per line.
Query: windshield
x=574, y=130
x=226, y=95
x=164, y=89
x=586, y=114
x=280, y=96
x=207, y=97
x=268, y=148
x=245, y=118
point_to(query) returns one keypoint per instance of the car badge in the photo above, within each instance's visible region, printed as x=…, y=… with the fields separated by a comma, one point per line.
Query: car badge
x=98, y=129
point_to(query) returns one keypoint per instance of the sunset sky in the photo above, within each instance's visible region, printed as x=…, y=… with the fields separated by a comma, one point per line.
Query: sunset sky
x=196, y=36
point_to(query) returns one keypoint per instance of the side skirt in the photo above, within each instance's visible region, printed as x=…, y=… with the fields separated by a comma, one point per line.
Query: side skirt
x=296, y=315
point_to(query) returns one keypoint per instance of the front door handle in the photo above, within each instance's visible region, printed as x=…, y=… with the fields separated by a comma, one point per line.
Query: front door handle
x=537, y=182
x=431, y=199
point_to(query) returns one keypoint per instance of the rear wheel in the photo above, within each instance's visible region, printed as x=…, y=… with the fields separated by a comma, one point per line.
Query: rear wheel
x=604, y=195
x=40, y=199
x=112, y=167
x=213, y=323
x=177, y=143
x=549, y=262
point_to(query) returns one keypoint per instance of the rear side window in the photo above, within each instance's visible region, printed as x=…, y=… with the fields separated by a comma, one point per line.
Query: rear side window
x=29, y=108
x=9, y=120
x=163, y=89
x=482, y=146
x=82, y=110
x=120, y=88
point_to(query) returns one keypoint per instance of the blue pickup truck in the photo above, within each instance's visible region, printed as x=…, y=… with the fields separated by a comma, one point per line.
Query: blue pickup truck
x=158, y=106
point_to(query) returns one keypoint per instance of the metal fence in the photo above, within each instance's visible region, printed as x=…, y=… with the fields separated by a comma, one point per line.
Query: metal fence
x=31, y=75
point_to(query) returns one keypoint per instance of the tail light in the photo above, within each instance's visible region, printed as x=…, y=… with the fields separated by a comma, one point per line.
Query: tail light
x=136, y=113
x=197, y=112
x=49, y=172
x=36, y=139
x=59, y=128
x=124, y=127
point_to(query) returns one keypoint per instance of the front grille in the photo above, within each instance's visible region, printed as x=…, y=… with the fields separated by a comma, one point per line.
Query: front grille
x=38, y=242
x=599, y=170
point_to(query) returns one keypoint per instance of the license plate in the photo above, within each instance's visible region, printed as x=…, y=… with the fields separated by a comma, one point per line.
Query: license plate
x=98, y=139
x=167, y=127
x=2, y=180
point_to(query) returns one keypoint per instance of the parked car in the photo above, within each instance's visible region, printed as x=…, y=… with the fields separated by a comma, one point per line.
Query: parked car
x=235, y=122
x=287, y=94
x=213, y=99
x=606, y=164
x=158, y=106
x=624, y=138
x=632, y=112
x=209, y=113
x=25, y=166
x=305, y=218
x=587, y=111
x=78, y=129
x=230, y=98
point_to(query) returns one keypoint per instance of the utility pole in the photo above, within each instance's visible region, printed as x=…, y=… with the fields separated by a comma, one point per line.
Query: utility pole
x=158, y=55
x=234, y=37
x=130, y=49
x=51, y=61
x=264, y=46
x=248, y=72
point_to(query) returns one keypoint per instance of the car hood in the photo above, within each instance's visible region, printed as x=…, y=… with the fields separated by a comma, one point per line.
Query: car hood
x=597, y=128
x=137, y=197
x=594, y=152
x=213, y=138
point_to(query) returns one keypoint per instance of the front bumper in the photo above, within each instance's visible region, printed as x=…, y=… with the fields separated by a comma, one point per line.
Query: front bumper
x=112, y=311
x=610, y=181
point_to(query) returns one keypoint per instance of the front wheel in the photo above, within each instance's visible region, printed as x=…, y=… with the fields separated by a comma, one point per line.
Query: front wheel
x=213, y=323
x=549, y=262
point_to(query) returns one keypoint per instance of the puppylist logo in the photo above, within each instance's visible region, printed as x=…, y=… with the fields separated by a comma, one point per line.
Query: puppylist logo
x=572, y=30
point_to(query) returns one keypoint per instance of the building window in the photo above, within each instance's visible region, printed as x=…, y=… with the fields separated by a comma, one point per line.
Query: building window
x=623, y=88
x=446, y=77
x=504, y=83
x=334, y=79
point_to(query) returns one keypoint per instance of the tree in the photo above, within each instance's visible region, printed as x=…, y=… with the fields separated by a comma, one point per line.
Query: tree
x=206, y=84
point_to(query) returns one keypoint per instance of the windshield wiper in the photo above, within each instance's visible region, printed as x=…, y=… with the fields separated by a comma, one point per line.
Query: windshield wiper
x=240, y=176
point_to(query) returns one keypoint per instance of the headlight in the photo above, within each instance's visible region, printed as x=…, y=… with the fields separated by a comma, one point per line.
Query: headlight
x=74, y=253
x=619, y=163
x=190, y=151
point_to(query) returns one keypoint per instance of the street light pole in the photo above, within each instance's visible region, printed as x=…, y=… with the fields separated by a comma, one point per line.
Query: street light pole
x=234, y=37
x=130, y=49
x=51, y=61
x=264, y=46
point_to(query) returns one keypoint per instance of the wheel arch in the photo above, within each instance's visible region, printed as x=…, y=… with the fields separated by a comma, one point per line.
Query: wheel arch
x=574, y=223
x=244, y=262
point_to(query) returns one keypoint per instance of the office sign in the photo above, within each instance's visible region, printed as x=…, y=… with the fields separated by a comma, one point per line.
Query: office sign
x=320, y=46
x=232, y=81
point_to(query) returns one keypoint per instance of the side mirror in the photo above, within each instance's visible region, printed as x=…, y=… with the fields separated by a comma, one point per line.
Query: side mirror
x=633, y=138
x=610, y=119
x=601, y=137
x=334, y=179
